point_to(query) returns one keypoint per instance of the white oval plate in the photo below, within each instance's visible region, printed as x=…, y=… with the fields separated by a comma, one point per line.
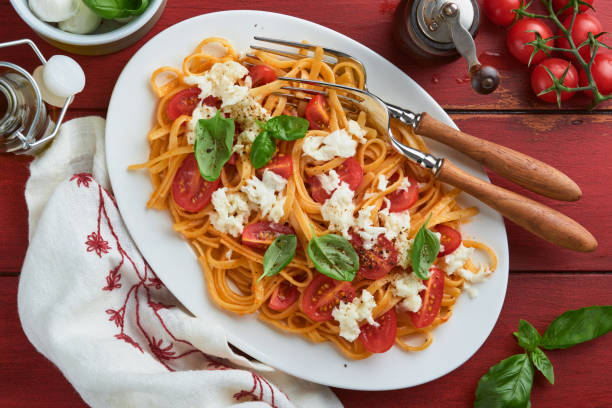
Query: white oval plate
x=131, y=115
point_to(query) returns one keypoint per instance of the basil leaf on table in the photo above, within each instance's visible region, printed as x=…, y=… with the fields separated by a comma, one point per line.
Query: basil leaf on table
x=424, y=251
x=279, y=254
x=288, y=128
x=213, y=145
x=110, y=9
x=507, y=384
x=577, y=326
x=542, y=363
x=262, y=150
x=333, y=256
x=528, y=337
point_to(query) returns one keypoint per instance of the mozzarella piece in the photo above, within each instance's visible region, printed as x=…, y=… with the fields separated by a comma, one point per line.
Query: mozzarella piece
x=63, y=76
x=338, y=210
x=262, y=194
x=408, y=286
x=330, y=181
x=350, y=314
x=357, y=131
x=231, y=211
x=382, y=182
x=337, y=144
x=53, y=11
x=84, y=21
x=366, y=229
x=457, y=259
x=437, y=234
x=201, y=111
x=220, y=82
x=404, y=250
x=405, y=184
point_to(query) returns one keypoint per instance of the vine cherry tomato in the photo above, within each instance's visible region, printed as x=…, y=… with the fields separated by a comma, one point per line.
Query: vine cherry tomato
x=403, y=199
x=349, y=172
x=500, y=11
x=376, y=262
x=284, y=295
x=323, y=294
x=583, y=24
x=317, y=112
x=451, y=239
x=602, y=74
x=559, y=4
x=431, y=300
x=261, y=75
x=189, y=189
x=378, y=339
x=280, y=164
x=262, y=234
x=523, y=32
x=541, y=80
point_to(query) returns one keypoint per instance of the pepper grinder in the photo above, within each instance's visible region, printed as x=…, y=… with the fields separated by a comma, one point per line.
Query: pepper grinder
x=442, y=30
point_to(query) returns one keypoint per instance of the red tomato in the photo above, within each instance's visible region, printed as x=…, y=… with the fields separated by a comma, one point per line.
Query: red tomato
x=583, y=24
x=559, y=4
x=500, y=11
x=541, y=80
x=323, y=294
x=376, y=262
x=523, y=32
x=189, y=189
x=378, y=339
x=183, y=103
x=261, y=234
x=432, y=299
x=261, y=75
x=402, y=200
x=280, y=164
x=602, y=74
x=284, y=295
x=317, y=112
x=349, y=172
x=451, y=239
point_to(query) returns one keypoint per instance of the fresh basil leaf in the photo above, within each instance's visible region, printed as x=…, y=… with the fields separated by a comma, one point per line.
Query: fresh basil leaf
x=543, y=364
x=110, y=9
x=262, y=150
x=213, y=145
x=279, y=254
x=577, y=326
x=424, y=251
x=528, y=337
x=285, y=127
x=507, y=384
x=333, y=256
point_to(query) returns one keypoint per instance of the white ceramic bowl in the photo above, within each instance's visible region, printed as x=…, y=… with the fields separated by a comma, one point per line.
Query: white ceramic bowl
x=110, y=37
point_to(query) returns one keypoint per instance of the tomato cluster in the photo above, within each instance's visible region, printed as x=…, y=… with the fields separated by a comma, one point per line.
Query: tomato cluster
x=564, y=66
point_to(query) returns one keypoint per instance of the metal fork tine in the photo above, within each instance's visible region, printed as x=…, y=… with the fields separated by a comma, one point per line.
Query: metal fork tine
x=322, y=84
x=307, y=98
x=310, y=47
x=317, y=91
x=279, y=52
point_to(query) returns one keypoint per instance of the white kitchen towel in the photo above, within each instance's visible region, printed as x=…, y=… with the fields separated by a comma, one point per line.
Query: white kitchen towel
x=92, y=305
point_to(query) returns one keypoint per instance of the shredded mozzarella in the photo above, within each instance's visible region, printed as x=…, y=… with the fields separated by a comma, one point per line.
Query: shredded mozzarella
x=357, y=131
x=350, y=314
x=231, y=211
x=408, y=286
x=337, y=144
x=382, y=182
x=330, y=181
x=263, y=194
x=366, y=229
x=338, y=210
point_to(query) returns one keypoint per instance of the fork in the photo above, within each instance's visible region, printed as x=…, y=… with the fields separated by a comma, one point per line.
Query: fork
x=524, y=170
x=535, y=217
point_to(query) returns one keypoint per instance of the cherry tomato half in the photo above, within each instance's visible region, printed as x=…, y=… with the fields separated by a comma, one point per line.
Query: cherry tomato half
x=261, y=75
x=262, y=234
x=183, y=103
x=559, y=4
x=323, y=294
x=500, y=11
x=583, y=24
x=432, y=300
x=284, y=295
x=280, y=164
x=189, y=189
x=378, y=339
x=602, y=74
x=541, y=80
x=376, y=262
x=349, y=172
x=317, y=112
x=451, y=239
x=402, y=200
x=523, y=32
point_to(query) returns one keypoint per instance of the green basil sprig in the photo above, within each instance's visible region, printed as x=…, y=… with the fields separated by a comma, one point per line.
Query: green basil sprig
x=281, y=127
x=213, y=145
x=424, y=251
x=279, y=254
x=110, y=9
x=509, y=383
x=333, y=256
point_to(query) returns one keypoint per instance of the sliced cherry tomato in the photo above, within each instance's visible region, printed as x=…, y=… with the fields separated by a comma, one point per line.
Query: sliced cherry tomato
x=349, y=172
x=541, y=80
x=261, y=75
x=376, y=262
x=500, y=11
x=189, y=189
x=284, y=295
x=602, y=74
x=262, y=234
x=402, y=200
x=559, y=4
x=523, y=32
x=583, y=24
x=378, y=339
x=323, y=294
x=317, y=112
x=451, y=239
x=432, y=300
x=280, y=164
x=183, y=103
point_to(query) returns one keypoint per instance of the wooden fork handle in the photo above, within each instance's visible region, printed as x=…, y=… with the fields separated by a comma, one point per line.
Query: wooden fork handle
x=526, y=171
x=535, y=217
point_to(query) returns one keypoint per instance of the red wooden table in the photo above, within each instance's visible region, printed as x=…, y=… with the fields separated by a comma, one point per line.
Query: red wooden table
x=544, y=280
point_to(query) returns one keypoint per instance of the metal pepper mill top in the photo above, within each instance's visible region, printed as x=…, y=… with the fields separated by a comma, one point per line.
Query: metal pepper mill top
x=442, y=30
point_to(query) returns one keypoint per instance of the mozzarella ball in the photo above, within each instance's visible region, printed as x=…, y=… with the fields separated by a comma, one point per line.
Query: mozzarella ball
x=84, y=21
x=53, y=11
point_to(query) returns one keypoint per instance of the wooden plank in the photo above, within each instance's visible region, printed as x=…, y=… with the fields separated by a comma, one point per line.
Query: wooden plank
x=581, y=373
x=368, y=22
